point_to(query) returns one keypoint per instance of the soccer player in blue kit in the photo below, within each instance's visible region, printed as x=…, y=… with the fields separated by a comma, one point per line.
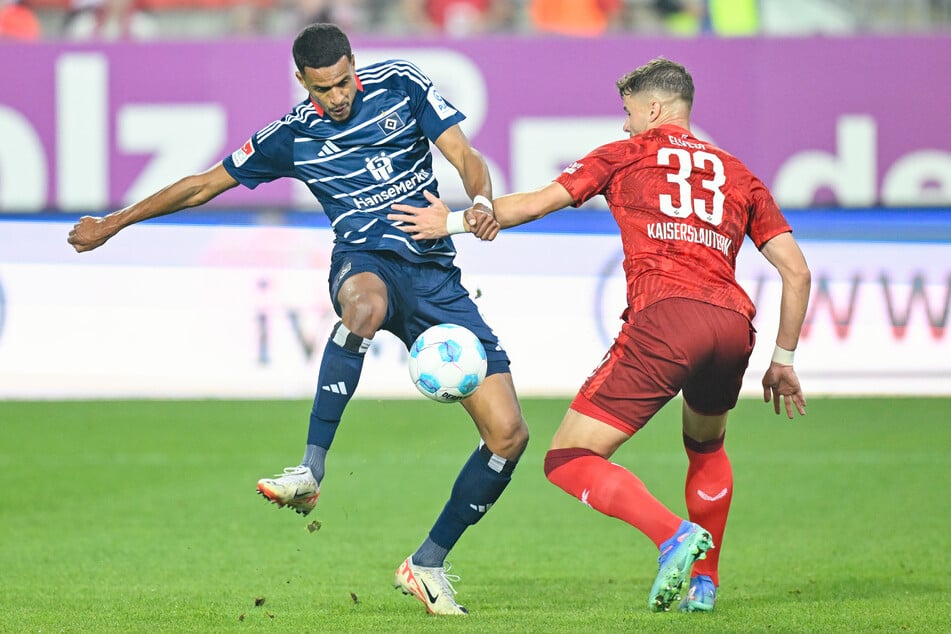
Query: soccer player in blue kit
x=361, y=142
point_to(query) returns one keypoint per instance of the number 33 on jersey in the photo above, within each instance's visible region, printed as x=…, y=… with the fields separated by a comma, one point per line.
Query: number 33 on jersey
x=683, y=207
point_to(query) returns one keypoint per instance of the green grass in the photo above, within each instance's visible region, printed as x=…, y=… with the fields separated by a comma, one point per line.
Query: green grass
x=141, y=517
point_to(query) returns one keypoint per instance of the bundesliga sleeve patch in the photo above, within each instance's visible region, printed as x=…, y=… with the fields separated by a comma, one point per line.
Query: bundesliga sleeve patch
x=242, y=154
x=443, y=109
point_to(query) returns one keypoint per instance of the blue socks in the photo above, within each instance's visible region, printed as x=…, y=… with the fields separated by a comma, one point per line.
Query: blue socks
x=314, y=457
x=480, y=483
x=340, y=369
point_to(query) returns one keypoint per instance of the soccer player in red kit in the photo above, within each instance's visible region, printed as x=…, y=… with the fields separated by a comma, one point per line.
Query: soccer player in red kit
x=684, y=208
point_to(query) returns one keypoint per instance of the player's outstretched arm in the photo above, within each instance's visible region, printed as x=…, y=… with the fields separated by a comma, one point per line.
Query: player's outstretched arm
x=780, y=380
x=93, y=231
x=522, y=207
x=429, y=223
x=509, y=210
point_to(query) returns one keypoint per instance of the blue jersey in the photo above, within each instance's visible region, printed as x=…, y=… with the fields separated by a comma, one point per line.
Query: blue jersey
x=360, y=167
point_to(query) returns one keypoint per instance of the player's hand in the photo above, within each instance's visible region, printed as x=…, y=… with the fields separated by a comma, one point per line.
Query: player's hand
x=90, y=232
x=422, y=223
x=781, y=381
x=429, y=223
x=482, y=223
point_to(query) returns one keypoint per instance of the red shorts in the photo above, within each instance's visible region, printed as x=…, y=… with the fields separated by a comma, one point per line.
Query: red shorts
x=672, y=345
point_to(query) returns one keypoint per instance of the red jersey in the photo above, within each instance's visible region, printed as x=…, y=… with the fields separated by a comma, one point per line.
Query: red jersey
x=683, y=207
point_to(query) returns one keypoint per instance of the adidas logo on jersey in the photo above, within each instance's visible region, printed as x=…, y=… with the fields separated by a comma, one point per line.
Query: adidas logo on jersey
x=329, y=148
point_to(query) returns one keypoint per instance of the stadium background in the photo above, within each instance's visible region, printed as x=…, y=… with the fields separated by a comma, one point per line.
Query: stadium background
x=137, y=515
x=230, y=300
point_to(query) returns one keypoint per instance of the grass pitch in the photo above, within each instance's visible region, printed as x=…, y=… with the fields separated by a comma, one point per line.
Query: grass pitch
x=141, y=517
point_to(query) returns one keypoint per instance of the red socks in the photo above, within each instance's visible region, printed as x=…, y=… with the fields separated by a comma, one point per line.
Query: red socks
x=708, y=491
x=615, y=491
x=612, y=490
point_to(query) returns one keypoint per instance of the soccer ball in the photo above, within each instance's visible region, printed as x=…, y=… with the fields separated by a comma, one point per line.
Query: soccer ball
x=447, y=363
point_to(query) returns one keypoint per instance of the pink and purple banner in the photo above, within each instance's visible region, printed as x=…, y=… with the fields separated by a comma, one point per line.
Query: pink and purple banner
x=828, y=121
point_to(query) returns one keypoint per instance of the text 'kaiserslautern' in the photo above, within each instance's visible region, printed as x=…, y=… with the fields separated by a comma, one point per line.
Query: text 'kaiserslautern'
x=689, y=233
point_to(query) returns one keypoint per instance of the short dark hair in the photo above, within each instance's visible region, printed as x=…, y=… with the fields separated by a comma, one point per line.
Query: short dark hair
x=659, y=74
x=320, y=45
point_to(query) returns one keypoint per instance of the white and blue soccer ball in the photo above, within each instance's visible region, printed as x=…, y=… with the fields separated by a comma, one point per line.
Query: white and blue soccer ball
x=447, y=363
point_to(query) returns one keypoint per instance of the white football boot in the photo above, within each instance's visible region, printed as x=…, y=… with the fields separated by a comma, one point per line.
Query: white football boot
x=430, y=585
x=296, y=488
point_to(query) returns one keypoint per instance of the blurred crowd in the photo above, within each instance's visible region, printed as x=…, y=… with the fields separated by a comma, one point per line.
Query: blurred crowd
x=33, y=20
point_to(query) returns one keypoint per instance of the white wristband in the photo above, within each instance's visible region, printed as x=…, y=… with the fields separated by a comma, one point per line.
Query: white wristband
x=456, y=222
x=482, y=199
x=783, y=356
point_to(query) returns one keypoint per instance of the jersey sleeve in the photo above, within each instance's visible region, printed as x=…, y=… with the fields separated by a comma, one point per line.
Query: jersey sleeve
x=766, y=219
x=433, y=112
x=588, y=176
x=263, y=158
